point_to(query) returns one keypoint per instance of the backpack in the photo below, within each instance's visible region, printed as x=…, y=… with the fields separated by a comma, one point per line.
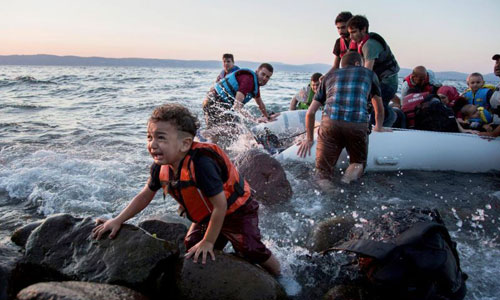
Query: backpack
x=421, y=263
x=408, y=105
x=432, y=115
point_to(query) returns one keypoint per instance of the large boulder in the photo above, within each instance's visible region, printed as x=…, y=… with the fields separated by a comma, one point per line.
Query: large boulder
x=63, y=244
x=9, y=257
x=424, y=254
x=265, y=175
x=76, y=290
x=172, y=232
x=329, y=232
x=227, y=278
x=21, y=234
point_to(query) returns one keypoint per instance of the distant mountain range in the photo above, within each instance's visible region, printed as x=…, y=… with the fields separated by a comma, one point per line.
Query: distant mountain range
x=54, y=60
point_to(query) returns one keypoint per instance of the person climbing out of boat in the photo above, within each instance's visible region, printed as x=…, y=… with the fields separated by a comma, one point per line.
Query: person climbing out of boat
x=377, y=57
x=344, y=92
x=303, y=99
x=420, y=80
x=228, y=66
x=343, y=43
x=207, y=186
x=234, y=91
x=477, y=118
x=495, y=100
x=477, y=93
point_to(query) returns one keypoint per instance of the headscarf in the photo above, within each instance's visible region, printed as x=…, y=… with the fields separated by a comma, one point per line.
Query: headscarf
x=450, y=92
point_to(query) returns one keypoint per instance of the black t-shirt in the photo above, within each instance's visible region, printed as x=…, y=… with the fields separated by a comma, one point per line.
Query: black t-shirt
x=336, y=48
x=208, y=176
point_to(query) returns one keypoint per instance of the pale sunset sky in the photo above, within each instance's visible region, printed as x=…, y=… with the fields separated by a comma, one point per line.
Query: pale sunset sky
x=441, y=35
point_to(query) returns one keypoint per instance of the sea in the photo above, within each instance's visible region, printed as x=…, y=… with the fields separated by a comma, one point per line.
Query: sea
x=73, y=140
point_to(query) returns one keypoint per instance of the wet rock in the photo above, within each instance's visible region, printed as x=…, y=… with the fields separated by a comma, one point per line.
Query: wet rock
x=388, y=227
x=9, y=257
x=318, y=273
x=393, y=223
x=265, y=175
x=12, y=217
x=172, y=232
x=169, y=218
x=21, y=234
x=346, y=292
x=62, y=244
x=75, y=290
x=226, y=278
x=329, y=232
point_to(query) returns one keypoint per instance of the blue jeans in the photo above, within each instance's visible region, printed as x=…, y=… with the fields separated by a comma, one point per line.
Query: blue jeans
x=388, y=92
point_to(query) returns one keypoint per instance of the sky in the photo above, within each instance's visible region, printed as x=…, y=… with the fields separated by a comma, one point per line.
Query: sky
x=441, y=35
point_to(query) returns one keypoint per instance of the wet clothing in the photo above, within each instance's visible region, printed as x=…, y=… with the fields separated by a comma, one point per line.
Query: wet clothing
x=304, y=97
x=218, y=109
x=223, y=73
x=345, y=93
x=184, y=189
x=335, y=135
x=244, y=81
x=430, y=85
x=207, y=176
x=241, y=229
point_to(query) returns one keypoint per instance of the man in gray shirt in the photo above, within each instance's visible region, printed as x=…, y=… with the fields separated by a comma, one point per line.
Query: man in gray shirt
x=377, y=57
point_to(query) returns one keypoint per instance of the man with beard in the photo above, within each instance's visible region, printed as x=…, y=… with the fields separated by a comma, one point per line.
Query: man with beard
x=343, y=43
x=234, y=91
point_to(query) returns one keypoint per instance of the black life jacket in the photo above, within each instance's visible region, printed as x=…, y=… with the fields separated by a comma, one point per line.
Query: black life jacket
x=421, y=263
x=386, y=64
x=432, y=115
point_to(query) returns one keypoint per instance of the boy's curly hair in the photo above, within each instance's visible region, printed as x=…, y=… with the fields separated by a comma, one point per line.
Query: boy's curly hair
x=177, y=115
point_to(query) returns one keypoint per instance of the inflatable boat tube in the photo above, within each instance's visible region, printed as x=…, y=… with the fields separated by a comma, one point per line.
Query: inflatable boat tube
x=287, y=123
x=421, y=150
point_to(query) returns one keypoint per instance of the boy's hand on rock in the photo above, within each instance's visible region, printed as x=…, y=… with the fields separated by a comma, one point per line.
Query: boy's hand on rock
x=104, y=226
x=201, y=248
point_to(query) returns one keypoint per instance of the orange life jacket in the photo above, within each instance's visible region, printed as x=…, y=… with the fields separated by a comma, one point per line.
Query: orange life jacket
x=184, y=190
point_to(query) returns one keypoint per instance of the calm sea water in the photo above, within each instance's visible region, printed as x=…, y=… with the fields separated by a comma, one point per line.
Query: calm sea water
x=72, y=139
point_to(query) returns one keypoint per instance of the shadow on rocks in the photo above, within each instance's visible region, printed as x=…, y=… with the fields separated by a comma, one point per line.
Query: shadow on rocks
x=61, y=248
x=227, y=278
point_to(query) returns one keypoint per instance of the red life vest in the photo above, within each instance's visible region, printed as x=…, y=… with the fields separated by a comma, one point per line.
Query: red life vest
x=185, y=191
x=344, y=48
x=426, y=87
x=409, y=104
x=361, y=44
